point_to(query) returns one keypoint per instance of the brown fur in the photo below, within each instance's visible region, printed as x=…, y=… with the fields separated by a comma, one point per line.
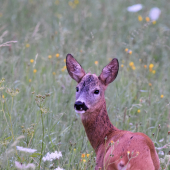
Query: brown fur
x=115, y=149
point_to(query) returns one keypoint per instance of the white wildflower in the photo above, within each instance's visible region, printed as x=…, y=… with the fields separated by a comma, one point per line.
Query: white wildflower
x=161, y=140
x=59, y=168
x=160, y=153
x=167, y=158
x=52, y=156
x=19, y=165
x=154, y=13
x=29, y=150
x=135, y=8
x=162, y=161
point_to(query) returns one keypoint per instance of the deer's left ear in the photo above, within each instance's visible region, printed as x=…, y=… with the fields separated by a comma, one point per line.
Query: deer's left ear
x=109, y=72
x=74, y=68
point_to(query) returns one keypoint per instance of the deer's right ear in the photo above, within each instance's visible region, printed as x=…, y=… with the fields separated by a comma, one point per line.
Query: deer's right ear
x=74, y=68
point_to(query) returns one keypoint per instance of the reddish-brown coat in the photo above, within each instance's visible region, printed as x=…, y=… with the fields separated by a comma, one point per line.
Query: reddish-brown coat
x=101, y=132
x=115, y=149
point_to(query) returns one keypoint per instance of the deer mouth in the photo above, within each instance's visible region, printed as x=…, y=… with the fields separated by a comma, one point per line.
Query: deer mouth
x=80, y=107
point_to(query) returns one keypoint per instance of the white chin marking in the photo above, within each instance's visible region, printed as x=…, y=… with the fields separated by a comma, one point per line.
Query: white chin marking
x=80, y=111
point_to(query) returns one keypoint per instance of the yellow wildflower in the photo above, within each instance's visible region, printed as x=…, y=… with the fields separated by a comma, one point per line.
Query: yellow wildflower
x=131, y=64
x=64, y=60
x=153, y=71
x=30, y=80
x=133, y=67
x=145, y=66
x=88, y=155
x=126, y=49
x=49, y=56
x=151, y=66
x=83, y=155
x=71, y=4
x=3, y=96
x=74, y=149
x=162, y=96
x=130, y=52
x=54, y=73
x=128, y=152
x=63, y=69
x=84, y=160
x=122, y=65
x=31, y=60
x=140, y=18
x=57, y=55
x=147, y=19
x=76, y=1
x=34, y=70
x=96, y=62
x=57, y=2
x=27, y=45
x=150, y=84
x=153, y=22
x=138, y=110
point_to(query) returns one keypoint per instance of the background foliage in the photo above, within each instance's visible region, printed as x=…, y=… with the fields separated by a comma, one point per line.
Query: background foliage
x=94, y=32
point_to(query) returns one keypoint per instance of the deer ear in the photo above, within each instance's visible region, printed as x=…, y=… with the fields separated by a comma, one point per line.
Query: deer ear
x=109, y=72
x=74, y=68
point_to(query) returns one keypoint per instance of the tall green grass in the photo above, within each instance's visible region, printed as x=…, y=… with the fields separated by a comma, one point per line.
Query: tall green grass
x=91, y=31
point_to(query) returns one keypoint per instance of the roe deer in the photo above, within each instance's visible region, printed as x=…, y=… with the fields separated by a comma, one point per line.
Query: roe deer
x=115, y=149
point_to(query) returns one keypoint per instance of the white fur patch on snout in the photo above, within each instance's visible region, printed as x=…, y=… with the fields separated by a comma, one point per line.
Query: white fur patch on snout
x=79, y=111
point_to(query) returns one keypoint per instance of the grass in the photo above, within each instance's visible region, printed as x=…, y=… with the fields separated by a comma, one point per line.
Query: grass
x=91, y=31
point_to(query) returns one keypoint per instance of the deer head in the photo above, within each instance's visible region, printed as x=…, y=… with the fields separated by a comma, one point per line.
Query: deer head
x=90, y=89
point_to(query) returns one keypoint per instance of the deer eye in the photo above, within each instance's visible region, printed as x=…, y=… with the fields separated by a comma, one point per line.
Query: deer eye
x=77, y=89
x=96, y=92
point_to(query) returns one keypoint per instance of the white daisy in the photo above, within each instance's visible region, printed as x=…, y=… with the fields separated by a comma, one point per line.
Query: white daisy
x=18, y=165
x=154, y=13
x=135, y=8
x=58, y=168
x=52, y=156
x=29, y=150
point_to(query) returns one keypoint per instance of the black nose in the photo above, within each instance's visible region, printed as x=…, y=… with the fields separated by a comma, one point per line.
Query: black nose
x=80, y=106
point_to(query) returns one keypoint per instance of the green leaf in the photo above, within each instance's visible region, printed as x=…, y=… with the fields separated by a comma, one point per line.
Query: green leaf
x=8, y=138
x=35, y=155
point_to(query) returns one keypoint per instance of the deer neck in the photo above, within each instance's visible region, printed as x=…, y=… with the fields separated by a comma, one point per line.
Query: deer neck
x=98, y=126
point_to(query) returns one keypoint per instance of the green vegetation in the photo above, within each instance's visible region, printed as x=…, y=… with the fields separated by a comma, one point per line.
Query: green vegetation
x=37, y=96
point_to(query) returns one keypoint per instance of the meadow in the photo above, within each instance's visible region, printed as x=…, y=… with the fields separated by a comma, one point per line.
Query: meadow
x=37, y=95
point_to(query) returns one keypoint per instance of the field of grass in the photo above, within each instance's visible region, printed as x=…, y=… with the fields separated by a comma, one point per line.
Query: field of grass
x=37, y=95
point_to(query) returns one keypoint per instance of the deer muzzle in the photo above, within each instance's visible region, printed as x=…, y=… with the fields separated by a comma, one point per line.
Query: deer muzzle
x=80, y=106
